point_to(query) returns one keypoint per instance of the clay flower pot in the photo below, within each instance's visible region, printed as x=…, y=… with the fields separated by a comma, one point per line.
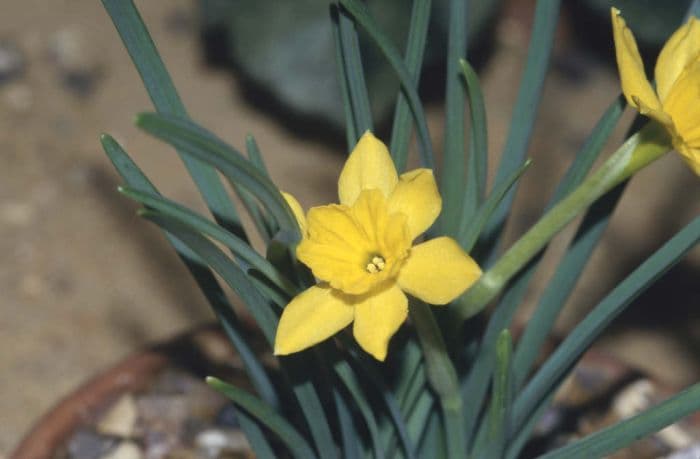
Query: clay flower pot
x=600, y=391
x=192, y=355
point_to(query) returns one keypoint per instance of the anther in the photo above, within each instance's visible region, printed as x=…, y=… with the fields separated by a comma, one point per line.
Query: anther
x=376, y=265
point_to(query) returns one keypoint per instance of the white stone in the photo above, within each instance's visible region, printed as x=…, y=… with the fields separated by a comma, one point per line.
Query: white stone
x=126, y=450
x=120, y=419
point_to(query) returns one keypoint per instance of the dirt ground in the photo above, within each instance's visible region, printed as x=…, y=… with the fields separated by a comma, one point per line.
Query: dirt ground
x=84, y=282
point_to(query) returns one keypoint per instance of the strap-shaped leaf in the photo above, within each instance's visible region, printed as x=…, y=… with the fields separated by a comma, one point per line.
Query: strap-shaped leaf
x=354, y=73
x=477, y=166
x=162, y=92
x=198, y=143
x=453, y=173
x=415, y=47
x=347, y=376
x=296, y=444
x=295, y=367
x=255, y=435
x=196, y=222
x=576, y=343
x=623, y=433
x=470, y=230
x=477, y=382
x=361, y=14
x=351, y=130
x=525, y=110
x=202, y=275
x=348, y=432
x=492, y=434
x=392, y=407
x=234, y=276
x=500, y=399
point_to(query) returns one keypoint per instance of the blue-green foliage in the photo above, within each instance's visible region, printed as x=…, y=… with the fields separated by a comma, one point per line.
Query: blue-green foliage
x=333, y=400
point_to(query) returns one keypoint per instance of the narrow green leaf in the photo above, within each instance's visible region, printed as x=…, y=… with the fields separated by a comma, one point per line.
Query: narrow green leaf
x=351, y=131
x=562, y=283
x=497, y=420
x=203, y=145
x=162, y=92
x=348, y=378
x=196, y=222
x=202, y=275
x=359, y=11
x=525, y=110
x=566, y=355
x=475, y=187
x=415, y=47
x=623, y=433
x=255, y=436
x=477, y=382
x=352, y=62
x=418, y=417
x=432, y=441
x=348, y=433
x=296, y=367
x=234, y=276
x=255, y=156
x=518, y=441
x=377, y=381
x=442, y=376
x=470, y=229
x=125, y=166
x=575, y=174
x=296, y=444
x=299, y=378
x=453, y=172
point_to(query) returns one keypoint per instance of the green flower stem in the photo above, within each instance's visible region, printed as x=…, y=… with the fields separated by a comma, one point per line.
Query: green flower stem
x=442, y=377
x=647, y=145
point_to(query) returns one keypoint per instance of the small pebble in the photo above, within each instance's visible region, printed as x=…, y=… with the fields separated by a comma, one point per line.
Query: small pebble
x=78, y=65
x=120, y=419
x=692, y=452
x=86, y=444
x=213, y=443
x=125, y=450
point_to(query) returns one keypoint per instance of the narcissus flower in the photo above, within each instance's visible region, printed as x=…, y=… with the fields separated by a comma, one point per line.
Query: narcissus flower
x=676, y=102
x=362, y=254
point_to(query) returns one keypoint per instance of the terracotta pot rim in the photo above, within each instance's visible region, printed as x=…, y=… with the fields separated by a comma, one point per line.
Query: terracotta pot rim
x=132, y=373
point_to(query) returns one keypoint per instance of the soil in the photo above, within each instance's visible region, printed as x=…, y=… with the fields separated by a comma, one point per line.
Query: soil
x=84, y=281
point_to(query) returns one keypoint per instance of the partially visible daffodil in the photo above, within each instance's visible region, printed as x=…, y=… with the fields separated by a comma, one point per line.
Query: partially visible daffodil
x=361, y=252
x=676, y=102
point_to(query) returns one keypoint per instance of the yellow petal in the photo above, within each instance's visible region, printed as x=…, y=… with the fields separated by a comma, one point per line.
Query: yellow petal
x=683, y=106
x=369, y=166
x=336, y=248
x=296, y=210
x=679, y=51
x=377, y=317
x=314, y=315
x=635, y=85
x=416, y=196
x=387, y=233
x=438, y=271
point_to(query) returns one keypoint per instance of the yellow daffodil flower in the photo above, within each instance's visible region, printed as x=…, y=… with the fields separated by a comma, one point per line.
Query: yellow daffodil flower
x=676, y=102
x=361, y=252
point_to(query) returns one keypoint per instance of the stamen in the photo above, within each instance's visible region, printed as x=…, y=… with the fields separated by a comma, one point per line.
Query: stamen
x=376, y=265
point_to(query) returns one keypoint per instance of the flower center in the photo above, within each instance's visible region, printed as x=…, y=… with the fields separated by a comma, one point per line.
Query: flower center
x=376, y=264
